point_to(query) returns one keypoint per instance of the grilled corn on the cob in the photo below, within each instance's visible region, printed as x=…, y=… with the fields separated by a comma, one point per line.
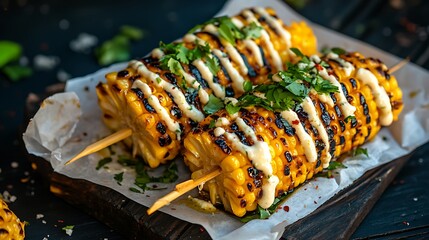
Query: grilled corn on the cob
x=11, y=228
x=265, y=153
x=162, y=96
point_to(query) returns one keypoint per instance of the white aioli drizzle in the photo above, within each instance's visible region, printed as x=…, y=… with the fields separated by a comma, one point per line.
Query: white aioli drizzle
x=381, y=98
x=154, y=102
x=218, y=89
x=179, y=98
x=157, y=53
x=250, y=44
x=307, y=142
x=276, y=24
x=308, y=107
x=346, y=108
x=231, y=50
x=259, y=154
x=237, y=79
x=345, y=65
x=250, y=17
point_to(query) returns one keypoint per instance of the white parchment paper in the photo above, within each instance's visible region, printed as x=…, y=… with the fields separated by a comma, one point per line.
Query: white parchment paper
x=57, y=137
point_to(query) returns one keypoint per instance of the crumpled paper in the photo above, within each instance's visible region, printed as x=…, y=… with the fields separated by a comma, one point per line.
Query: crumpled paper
x=45, y=137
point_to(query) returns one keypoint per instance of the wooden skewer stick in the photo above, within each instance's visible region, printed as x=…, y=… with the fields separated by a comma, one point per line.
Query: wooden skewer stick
x=181, y=189
x=103, y=143
x=399, y=65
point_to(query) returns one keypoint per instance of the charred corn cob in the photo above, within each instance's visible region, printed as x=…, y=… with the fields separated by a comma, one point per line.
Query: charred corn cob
x=11, y=228
x=162, y=96
x=268, y=148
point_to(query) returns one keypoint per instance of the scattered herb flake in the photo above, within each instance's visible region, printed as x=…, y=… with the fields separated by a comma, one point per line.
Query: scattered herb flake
x=16, y=72
x=359, y=151
x=335, y=164
x=119, y=177
x=9, y=51
x=213, y=105
x=213, y=65
x=262, y=213
x=349, y=118
x=68, y=229
x=232, y=109
x=212, y=124
x=247, y=86
x=103, y=162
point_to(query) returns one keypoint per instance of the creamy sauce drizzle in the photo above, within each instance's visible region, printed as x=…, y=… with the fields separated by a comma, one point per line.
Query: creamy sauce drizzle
x=218, y=89
x=307, y=142
x=157, y=53
x=237, y=79
x=160, y=110
x=309, y=108
x=179, y=98
x=276, y=24
x=346, y=108
x=345, y=65
x=381, y=98
x=277, y=61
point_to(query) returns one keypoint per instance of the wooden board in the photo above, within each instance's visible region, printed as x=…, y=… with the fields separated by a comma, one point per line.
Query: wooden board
x=337, y=218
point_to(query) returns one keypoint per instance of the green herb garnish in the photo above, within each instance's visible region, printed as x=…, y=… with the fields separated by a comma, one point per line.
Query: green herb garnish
x=335, y=164
x=212, y=123
x=262, y=213
x=350, y=118
x=247, y=86
x=359, y=151
x=232, y=109
x=119, y=177
x=9, y=51
x=213, y=105
x=143, y=178
x=16, y=72
x=335, y=50
x=103, y=162
x=229, y=31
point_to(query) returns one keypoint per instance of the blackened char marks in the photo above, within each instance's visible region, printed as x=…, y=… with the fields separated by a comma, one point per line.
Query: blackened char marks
x=223, y=145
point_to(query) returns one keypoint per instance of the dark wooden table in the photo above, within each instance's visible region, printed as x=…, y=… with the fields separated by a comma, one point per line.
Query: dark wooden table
x=47, y=27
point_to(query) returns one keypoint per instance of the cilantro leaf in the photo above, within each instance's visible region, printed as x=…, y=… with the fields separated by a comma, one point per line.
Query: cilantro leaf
x=297, y=52
x=213, y=64
x=16, y=72
x=359, y=151
x=103, y=162
x=214, y=104
x=231, y=109
x=252, y=31
x=212, y=124
x=334, y=165
x=338, y=50
x=247, y=86
x=119, y=177
x=174, y=66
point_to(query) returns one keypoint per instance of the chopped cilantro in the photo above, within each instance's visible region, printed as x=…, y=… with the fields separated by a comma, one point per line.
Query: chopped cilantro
x=262, y=213
x=213, y=105
x=103, y=162
x=212, y=123
x=142, y=177
x=126, y=161
x=252, y=31
x=16, y=72
x=247, y=86
x=297, y=52
x=9, y=51
x=359, y=151
x=335, y=164
x=349, y=118
x=133, y=189
x=213, y=65
x=231, y=109
x=119, y=177
x=335, y=50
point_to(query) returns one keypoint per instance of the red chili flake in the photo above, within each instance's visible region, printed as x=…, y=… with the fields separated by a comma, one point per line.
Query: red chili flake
x=202, y=229
x=60, y=221
x=295, y=122
x=406, y=223
x=317, y=187
x=320, y=68
x=286, y=208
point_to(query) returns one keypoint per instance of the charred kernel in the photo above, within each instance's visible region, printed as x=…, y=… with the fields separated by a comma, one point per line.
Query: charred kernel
x=243, y=203
x=337, y=111
x=250, y=187
x=342, y=140
x=320, y=145
x=171, y=77
x=350, y=99
x=234, y=127
x=343, y=87
x=198, y=76
x=242, y=137
x=250, y=71
x=326, y=118
x=353, y=122
x=273, y=131
x=315, y=132
x=288, y=156
x=229, y=92
x=387, y=76
x=283, y=141
x=264, y=59
x=253, y=172
x=138, y=92
x=175, y=111
x=108, y=116
x=260, y=138
x=116, y=87
x=149, y=59
x=148, y=107
x=368, y=119
x=134, y=78
x=362, y=99
x=369, y=132
x=330, y=132
x=342, y=125
x=164, y=140
x=193, y=123
x=332, y=145
x=286, y=171
x=122, y=74
x=269, y=119
x=353, y=82
x=318, y=163
x=334, y=99
x=279, y=123
x=167, y=154
x=223, y=145
x=160, y=128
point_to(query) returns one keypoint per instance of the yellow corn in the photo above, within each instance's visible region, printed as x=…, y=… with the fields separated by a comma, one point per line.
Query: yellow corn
x=205, y=150
x=10, y=225
x=125, y=107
